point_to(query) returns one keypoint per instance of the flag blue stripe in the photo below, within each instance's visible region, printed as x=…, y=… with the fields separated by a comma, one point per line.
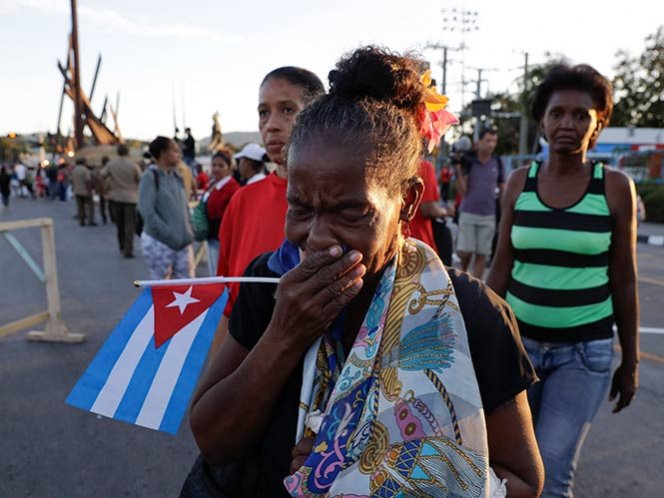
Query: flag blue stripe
x=184, y=388
x=86, y=390
x=139, y=385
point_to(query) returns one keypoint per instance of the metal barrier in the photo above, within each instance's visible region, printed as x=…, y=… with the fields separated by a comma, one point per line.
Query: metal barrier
x=201, y=255
x=55, y=330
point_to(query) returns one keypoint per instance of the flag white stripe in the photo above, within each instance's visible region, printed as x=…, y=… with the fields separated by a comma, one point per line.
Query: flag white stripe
x=111, y=394
x=156, y=401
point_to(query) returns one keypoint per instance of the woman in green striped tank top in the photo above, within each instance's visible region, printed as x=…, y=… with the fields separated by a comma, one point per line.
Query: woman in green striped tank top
x=566, y=263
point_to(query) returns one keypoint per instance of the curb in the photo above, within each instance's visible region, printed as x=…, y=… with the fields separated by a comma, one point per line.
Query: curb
x=651, y=240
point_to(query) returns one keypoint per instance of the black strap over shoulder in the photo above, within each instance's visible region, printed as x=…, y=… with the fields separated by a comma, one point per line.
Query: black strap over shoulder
x=596, y=185
x=531, y=178
x=501, y=168
x=155, y=174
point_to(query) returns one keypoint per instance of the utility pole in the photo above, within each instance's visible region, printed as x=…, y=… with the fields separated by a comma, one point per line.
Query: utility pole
x=523, y=128
x=78, y=103
x=478, y=82
x=445, y=49
x=443, y=84
x=479, y=103
x=478, y=91
x=184, y=115
x=455, y=20
x=175, y=119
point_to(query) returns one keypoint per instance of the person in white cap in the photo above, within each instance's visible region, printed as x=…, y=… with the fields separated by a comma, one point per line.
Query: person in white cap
x=251, y=163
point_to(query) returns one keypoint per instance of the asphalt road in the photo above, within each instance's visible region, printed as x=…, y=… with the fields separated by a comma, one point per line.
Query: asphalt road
x=623, y=455
x=49, y=449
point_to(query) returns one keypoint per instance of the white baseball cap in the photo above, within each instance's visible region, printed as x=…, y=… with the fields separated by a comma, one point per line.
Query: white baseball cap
x=251, y=151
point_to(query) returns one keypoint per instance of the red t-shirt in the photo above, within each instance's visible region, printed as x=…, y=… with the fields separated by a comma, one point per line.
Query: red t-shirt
x=420, y=227
x=253, y=224
x=217, y=202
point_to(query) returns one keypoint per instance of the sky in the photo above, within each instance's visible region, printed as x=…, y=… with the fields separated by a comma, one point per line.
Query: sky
x=203, y=56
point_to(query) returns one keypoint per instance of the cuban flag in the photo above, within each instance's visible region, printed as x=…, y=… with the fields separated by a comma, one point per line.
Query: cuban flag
x=146, y=372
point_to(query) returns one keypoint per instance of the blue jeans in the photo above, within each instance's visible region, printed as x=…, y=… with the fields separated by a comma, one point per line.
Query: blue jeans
x=574, y=378
x=213, y=256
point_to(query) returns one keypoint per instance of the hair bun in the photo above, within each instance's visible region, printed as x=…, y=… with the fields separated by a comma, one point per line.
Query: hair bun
x=376, y=73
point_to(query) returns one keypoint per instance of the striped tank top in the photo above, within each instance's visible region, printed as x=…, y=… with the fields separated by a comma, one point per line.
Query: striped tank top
x=559, y=289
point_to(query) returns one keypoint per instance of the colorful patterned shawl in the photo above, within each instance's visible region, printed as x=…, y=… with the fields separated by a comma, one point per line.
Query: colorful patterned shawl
x=402, y=415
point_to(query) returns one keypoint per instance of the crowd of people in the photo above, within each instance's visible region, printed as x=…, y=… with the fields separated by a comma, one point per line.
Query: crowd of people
x=19, y=181
x=375, y=367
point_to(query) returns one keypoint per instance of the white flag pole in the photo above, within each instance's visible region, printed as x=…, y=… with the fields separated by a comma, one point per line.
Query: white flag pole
x=206, y=281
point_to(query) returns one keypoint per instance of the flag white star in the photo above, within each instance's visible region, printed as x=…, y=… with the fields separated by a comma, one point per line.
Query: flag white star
x=183, y=300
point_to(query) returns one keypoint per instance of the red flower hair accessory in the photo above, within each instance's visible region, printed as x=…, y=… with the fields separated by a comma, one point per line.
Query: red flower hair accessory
x=434, y=119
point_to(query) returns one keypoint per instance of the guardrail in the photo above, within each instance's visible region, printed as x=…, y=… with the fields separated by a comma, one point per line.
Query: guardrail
x=55, y=330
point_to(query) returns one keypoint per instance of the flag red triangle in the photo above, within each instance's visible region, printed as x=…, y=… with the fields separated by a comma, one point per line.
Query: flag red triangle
x=178, y=305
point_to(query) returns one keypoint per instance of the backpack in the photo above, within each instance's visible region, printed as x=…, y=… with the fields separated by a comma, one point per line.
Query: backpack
x=199, y=221
x=139, y=218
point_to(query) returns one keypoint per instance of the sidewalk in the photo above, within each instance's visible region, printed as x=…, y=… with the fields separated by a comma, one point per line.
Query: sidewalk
x=651, y=234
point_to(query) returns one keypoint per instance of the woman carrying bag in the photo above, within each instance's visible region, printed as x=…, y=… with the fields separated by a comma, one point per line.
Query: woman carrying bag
x=162, y=203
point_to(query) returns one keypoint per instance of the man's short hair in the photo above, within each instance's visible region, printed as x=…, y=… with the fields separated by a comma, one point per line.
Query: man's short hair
x=123, y=150
x=487, y=130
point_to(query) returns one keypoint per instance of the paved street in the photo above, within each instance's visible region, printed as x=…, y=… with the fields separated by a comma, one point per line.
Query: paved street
x=49, y=449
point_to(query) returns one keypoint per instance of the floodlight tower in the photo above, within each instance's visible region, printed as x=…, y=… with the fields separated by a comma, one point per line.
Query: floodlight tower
x=461, y=21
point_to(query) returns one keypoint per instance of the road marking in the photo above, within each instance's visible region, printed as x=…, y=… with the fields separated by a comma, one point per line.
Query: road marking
x=645, y=330
x=656, y=240
x=649, y=280
x=645, y=356
x=651, y=357
x=651, y=330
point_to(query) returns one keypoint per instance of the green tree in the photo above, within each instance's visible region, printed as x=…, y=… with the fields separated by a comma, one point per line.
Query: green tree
x=11, y=148
x=639, y=85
